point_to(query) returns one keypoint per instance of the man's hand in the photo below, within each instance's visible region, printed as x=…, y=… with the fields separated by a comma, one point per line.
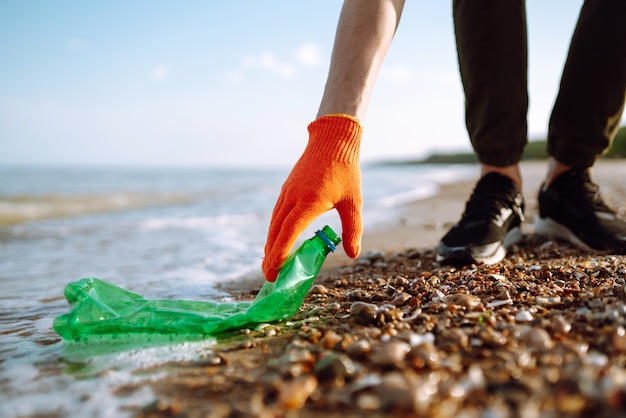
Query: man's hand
x=326, y=176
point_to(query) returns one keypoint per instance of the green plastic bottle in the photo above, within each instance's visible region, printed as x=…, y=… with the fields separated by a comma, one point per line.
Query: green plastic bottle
x=98, y=308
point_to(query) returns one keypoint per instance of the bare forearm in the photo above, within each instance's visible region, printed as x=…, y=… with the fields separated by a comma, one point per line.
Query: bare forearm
x=364, y=33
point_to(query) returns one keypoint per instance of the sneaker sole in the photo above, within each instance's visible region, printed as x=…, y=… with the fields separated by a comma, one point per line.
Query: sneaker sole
x=463, y=257
x=552, y=229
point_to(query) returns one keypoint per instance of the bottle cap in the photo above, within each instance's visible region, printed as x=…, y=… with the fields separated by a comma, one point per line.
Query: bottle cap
x=329, y=236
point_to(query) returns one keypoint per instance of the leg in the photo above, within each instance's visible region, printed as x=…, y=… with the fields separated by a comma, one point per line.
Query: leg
x=591, y=98
x=492, y=52
x=491, y=47
x=584, y=121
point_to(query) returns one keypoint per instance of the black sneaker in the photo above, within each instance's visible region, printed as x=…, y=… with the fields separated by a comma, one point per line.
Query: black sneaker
x=490, y=224
x=572, y=209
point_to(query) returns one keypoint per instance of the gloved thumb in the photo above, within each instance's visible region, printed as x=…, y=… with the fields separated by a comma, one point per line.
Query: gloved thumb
x=352, y=227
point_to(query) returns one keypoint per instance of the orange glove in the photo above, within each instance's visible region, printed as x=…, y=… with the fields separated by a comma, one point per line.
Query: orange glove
x=326, y=176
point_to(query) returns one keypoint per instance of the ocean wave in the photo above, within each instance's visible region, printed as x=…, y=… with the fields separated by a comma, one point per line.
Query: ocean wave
x=407, y=197
x=207, y=222
x=18, y=209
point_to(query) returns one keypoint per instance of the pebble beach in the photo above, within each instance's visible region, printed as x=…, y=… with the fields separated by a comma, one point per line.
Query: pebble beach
x=393, y=333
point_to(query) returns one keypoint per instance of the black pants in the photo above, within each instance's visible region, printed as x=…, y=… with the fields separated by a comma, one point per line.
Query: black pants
x=492, y=51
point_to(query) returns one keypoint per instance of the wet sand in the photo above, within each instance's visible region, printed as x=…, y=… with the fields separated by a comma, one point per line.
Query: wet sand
x=393, y=333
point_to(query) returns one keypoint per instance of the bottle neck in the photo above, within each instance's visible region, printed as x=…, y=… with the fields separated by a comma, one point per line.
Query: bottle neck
x=325, y=240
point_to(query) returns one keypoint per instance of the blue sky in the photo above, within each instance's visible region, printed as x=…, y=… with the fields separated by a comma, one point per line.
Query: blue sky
x=232, y=82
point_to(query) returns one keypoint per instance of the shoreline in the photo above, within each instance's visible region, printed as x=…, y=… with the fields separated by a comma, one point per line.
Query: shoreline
x=422, y=223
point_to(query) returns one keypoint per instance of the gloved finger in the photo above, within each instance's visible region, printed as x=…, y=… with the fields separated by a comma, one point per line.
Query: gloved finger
x=351, y=226
x=281, y=209
x=289, y=226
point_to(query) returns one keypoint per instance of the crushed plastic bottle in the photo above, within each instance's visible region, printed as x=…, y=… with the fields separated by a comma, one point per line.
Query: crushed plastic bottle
x=99, y=308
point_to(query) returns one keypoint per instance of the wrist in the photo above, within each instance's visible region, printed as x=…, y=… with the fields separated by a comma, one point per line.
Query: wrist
x=335, y=136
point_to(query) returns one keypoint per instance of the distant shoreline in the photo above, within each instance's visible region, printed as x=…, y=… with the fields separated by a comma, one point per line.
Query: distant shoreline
x=535, y=150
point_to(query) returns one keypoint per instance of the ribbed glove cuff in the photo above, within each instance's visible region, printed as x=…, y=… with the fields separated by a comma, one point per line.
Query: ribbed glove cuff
x=337, y=137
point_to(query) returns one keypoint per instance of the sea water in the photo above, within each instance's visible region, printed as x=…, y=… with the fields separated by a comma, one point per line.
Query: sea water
x=165, y=233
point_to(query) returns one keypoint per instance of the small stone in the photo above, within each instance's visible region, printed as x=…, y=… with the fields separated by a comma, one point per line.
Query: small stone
x=368, y=402
x=468, y=301
x=333, y=365
x=389, y=354
x=330, y=339
x=524, y=316
x=548, y=301
x=455, y=339
x=395, y=392
x=536, y=338
x=358, y=348
x=364, y=313
x=357, y=294
x=492, y=338
x=560, y=325
x=319, y=289
x=619, y=339
x=401, y=299
x=595, y=358
x=499, y=302
x=294, y=394
x=425, y=355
